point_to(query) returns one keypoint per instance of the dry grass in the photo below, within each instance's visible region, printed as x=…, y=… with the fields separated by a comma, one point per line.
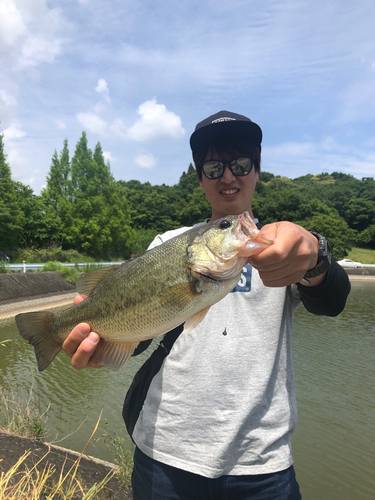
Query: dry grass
x=22, y=483
x=20, y=412
x=21, y=415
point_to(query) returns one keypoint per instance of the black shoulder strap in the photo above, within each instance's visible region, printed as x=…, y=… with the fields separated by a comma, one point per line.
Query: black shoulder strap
x=137, y=391
x=170, y=338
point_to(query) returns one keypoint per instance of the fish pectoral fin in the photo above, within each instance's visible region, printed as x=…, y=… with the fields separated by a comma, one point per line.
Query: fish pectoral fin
x=113, y=355
x=194, y=320
x=87, y=282
x=179, y=295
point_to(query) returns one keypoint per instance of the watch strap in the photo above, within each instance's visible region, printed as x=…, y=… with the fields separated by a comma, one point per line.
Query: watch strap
x=324, y=258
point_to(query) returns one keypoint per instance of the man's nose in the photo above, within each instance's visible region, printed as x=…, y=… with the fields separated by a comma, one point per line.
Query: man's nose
x=228, y=177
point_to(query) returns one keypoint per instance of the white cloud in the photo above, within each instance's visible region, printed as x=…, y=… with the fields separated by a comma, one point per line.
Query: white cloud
x=18, y=164
x=299, y=159
x=39, y=49
x=147, y=162
x=12, y=26
x=29, y=32
x=60, y=124
x=109, y=157
x=92, y=122
x=102, y=88
x=7, y=98
x=156, y=123
x=13, y=132
x=119, y=128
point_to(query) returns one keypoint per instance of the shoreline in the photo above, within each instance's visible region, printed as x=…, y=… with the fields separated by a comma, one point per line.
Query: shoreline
x=361, y=277
x=10, y=309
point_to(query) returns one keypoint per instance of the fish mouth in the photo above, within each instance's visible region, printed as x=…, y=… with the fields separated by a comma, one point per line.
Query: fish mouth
x=247, y=226
x=250, y=230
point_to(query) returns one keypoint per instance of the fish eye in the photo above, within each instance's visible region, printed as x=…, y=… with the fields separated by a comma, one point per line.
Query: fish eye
x=224, y=224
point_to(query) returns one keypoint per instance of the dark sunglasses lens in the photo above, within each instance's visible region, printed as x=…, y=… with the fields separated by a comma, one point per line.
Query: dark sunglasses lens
x=241, y=166
x=213, y=169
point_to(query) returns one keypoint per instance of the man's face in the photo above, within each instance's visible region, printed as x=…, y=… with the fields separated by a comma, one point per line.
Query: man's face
x=229, y=195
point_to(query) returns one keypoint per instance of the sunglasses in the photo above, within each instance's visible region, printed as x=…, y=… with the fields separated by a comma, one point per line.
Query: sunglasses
x=214, y=169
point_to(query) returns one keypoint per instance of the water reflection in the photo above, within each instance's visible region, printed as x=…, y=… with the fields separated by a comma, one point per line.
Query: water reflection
x=335, y=380
x=334, y=361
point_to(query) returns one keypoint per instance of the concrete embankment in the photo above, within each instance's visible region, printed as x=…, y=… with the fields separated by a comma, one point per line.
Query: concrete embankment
x=361, y=273
x=25, y=292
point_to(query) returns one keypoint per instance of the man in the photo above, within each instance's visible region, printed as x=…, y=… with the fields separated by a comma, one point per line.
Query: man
x=218, y=417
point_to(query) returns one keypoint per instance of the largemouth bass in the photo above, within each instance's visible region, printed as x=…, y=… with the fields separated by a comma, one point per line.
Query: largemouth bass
x=174, y=283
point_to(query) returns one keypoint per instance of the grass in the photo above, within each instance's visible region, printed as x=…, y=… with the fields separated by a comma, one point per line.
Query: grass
x=70, y=273
x=89, y=267
x=123, y=458
x=4, y=267
x=21, y=415
x=38, y=482
x=364, y=255
x=20, y=412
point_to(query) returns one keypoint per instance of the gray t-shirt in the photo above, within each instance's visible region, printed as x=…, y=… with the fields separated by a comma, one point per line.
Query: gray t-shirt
x=224, y=399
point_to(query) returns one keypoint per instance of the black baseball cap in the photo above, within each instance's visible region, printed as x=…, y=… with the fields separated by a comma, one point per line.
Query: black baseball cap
x=225, y=123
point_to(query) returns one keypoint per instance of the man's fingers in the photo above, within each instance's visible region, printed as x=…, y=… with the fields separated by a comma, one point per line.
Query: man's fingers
x=79, y=298
x=81, y=358
x=80, y=345
x=76, y=336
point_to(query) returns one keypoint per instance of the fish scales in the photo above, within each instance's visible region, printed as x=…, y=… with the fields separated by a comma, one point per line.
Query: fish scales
x=145, y=297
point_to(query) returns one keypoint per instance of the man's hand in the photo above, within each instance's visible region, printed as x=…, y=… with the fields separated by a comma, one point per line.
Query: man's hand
x=81, y=343
x=294, y=251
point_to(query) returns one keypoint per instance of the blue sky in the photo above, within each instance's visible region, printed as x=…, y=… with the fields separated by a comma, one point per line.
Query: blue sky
x=138, y=75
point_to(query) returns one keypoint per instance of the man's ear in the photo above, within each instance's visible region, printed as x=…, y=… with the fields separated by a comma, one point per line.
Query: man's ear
x=256, y=176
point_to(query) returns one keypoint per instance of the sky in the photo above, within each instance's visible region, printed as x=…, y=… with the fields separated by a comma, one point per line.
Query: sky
x=138, y=75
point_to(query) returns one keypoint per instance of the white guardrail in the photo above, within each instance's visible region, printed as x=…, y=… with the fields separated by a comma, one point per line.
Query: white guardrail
x=363, y=266
x=29, y=267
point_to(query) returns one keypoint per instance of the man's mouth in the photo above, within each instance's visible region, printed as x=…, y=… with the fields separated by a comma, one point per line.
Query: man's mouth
x=229, y=191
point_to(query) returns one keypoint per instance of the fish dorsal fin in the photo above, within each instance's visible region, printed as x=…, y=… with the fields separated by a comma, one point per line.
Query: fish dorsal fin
x=113, y=355
x=87, y=282
x=194, y=320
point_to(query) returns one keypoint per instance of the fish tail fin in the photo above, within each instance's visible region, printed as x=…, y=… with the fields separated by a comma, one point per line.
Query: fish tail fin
x=35, y=328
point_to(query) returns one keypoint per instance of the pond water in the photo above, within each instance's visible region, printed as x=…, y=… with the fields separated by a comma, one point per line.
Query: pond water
x=334, y=360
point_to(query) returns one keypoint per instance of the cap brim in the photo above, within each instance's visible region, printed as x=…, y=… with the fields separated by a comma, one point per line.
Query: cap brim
x=246, y=129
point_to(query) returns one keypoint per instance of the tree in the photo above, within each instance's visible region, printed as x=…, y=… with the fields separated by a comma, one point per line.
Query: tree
x=82, y=169
x=5, y=174
x=334, y=228
x=197, y=208
x=188, y=182
x=11, y=215
x=41, y=225
x=360, y=213
x=102, y=170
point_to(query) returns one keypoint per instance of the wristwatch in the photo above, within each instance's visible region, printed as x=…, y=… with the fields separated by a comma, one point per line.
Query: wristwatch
x=324, y=258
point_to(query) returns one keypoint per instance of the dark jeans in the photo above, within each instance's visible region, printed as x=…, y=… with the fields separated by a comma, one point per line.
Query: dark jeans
x=153, y=480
